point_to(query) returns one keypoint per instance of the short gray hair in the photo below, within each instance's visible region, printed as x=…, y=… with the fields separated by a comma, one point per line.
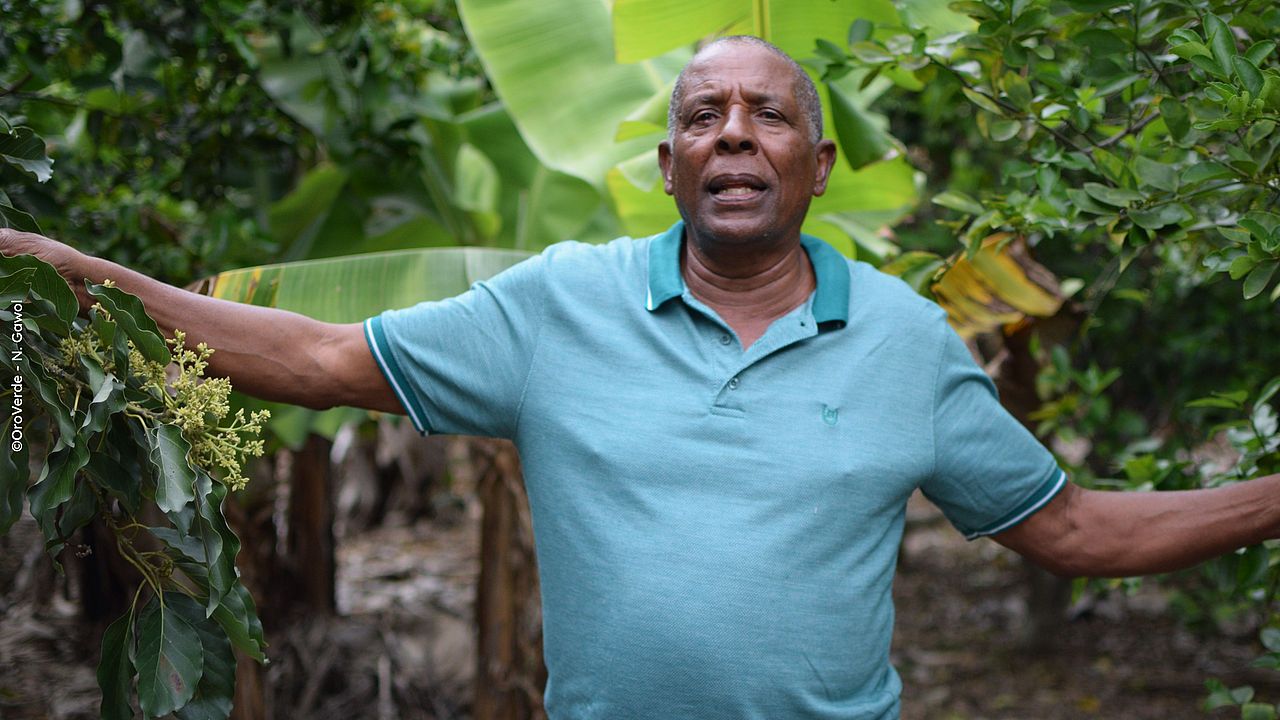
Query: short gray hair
x=805, y=92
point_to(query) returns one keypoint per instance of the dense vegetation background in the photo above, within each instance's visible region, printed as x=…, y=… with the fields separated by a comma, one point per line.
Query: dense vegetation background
x=1089, y=186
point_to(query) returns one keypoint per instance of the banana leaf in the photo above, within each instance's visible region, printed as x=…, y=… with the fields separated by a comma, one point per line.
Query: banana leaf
x=350, y=289
x=1000, y=285
x=355, y=287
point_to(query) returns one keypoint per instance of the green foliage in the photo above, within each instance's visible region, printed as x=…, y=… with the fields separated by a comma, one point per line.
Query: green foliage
x=1145, y=123
x=92, y=405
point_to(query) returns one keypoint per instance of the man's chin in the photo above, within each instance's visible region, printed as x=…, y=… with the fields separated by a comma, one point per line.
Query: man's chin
x=734, y=231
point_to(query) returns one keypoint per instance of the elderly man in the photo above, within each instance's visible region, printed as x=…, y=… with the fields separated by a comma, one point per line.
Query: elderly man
x=720, y=426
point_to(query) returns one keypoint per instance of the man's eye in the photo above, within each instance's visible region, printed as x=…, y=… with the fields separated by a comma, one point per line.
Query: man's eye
x=770, y=115
x=703, y=116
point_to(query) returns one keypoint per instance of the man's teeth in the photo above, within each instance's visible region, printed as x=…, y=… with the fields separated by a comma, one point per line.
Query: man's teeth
x=737, y=191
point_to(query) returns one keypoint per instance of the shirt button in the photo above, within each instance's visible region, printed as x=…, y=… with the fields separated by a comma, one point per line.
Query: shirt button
x=733, y=384
x=725, y=339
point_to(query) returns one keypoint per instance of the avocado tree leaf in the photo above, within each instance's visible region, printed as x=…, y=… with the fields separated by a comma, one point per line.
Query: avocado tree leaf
x=170, y=657
x=46, y=394
x=238, y=618
x=56, y=485
x=116, y=479
x=175, y=480
x=131, y=317
x=12, y=217
x=46, y=283
x=76, y=513
x=23, y=148
x=15, y=471
x=217, y=687
x=212, y=530
x=108, y=399
x=115, y=669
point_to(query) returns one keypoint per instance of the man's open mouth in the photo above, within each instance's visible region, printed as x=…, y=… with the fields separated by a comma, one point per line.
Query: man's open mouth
x=736, y=187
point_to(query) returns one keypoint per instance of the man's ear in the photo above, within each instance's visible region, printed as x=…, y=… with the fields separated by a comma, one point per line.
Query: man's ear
x=664, y=164
x=826, y=155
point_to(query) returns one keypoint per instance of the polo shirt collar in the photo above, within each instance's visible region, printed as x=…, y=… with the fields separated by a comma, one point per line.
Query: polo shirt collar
x=830, y=300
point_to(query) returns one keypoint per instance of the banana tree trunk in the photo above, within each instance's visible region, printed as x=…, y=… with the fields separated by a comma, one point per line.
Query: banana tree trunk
x=510, y=676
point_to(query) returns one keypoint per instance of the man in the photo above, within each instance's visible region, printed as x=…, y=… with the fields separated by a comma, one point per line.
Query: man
x=719, y=425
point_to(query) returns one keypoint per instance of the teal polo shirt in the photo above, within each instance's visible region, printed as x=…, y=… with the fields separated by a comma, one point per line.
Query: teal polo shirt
x=716, y=527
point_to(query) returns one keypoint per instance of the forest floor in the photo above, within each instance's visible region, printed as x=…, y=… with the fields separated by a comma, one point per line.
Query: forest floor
x=402, y=647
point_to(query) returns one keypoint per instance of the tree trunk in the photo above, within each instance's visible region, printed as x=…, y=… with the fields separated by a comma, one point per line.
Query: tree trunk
x=293, y=578
x=510, y=675
x=310, y=538
x=1016, y=368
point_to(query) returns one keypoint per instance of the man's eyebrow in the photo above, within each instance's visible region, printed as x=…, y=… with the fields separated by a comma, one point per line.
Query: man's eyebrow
x=706, y=97
x=763, y=98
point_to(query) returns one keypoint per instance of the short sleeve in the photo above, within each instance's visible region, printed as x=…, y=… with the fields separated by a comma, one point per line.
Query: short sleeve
x=989, y=472
x=459, y=366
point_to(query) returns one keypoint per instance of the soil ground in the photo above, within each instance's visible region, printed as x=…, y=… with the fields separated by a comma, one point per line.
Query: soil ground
x=403, y=646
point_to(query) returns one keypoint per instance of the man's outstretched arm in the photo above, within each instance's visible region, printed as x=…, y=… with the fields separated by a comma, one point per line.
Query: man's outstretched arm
x=268, y=353
x=1117, y=534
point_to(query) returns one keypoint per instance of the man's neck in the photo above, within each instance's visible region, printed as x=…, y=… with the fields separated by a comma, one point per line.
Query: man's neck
x=749, y=290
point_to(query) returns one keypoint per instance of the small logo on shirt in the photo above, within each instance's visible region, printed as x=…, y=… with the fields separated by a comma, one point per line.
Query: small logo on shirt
x=830, y=415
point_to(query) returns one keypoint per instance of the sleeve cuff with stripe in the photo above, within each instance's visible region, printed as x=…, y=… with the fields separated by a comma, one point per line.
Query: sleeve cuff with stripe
x=1046, y=491
x=383, y=355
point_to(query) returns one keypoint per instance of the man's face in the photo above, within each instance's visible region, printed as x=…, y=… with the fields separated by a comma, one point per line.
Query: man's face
x=741, y=165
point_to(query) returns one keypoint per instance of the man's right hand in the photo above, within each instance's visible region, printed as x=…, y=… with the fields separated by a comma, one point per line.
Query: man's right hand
x=64, y=258
x=268, y=353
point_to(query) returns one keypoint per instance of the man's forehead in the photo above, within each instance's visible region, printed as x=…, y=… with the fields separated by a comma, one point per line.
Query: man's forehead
x=757, y=70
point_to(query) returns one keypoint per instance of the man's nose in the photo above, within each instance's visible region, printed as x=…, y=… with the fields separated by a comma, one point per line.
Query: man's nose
x=736, y=132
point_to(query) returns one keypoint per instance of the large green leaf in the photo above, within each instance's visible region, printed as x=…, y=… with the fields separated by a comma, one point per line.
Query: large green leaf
x=296, y=218
x=46, y=283
x=552, y=63
x=862, y=134
x=118, y=480
x=22, y=147
x=934, y=16
x=475, y=180
x=55, y=487
x=217, y=686
x=352, y=288
x=115, y=669
x=217, y=541
x=11, y=217
x=645, y=28
x=238, y=618
x=540, y=206
x=131, y=317
x=170, y=657
x=14, y=473
x=108, y=399
x=175, y=480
